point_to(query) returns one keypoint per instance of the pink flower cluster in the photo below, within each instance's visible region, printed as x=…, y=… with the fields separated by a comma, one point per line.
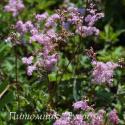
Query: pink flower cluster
x=41, y=17
x=64, y=120
x=88, y=117
x=103, y=72
x=96, y=118
x=23, y=28
x=46, y=38
x=51, y=21
x=55, y=29
x=91, y=17
x=81, y=105
x=114, y=117
x=14, y=6
x=68, y=119
x=29, y=61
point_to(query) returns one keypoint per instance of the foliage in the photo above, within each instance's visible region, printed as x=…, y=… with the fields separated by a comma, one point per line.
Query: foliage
x=71, y=78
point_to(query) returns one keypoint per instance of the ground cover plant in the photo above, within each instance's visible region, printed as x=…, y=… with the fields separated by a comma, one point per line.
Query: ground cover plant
x=62, y=62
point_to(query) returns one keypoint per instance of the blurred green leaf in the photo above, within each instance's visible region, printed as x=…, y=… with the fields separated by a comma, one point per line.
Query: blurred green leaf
x=109, y=35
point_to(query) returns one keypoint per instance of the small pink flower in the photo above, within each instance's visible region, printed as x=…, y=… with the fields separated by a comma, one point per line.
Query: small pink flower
x=81, y=105
x=103, y=72
x=30, y=70
x=42, y=17
x=28, y=60
x=113, y=117
x=14, y=6
x=21, y=27
x=78, y=120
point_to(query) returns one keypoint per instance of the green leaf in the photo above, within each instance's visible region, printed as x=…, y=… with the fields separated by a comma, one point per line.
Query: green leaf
x=109, y=35
x=7, y=98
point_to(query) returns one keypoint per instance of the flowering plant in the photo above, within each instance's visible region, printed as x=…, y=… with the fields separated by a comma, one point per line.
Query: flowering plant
x=54, y=57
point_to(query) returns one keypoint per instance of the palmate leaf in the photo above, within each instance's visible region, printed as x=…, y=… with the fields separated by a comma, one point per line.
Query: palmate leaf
x=7, y=97
x=103, y=98
x=115, y=54
x=6, y=94
x=109, y=35
x=121, y=90
x=42, y=4
x=5, y=49
x=45, y=4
